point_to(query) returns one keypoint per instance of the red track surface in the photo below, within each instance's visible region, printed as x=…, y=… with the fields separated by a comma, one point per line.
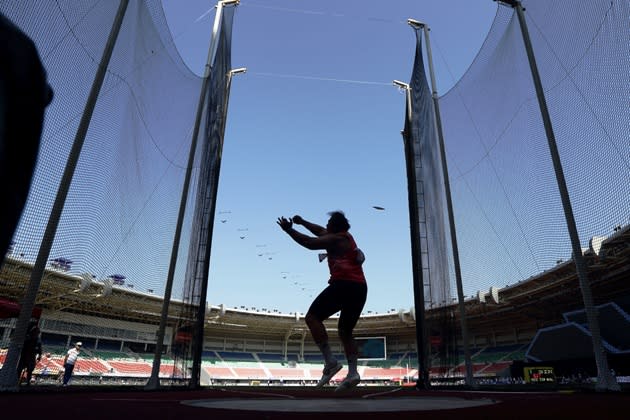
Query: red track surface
x=91, y=404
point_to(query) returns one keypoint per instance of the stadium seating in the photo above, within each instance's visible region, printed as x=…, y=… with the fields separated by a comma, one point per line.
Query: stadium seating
x=131, y=368
x=494, y=354
x=287, y=373
x=271, y=357
x=220, y=372
x=236, y=355
x=56, y=350
x=250, y=372
x=109, y=355
x=384, y=373
x=269, y=366
x=210, y=356
x=109, y=345
x=170, y=370
x=90, y=366
x=313, y=358
x=461, y=369
x=57, y=340
x=494, y=369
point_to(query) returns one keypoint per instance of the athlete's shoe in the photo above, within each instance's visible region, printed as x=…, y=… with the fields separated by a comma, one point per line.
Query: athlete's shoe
x=328, y=373
x=350, y=382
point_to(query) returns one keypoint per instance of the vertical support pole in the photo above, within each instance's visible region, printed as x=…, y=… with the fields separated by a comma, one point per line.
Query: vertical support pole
x=8, y=374
x=605, y=380
x=285, y=345
x=197, y=350
x=416, y=251
x=470, y=380
x=154, y=380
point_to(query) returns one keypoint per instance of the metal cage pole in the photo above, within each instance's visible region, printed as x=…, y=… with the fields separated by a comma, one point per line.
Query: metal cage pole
x=154, y=380
x=416, y=250
x=605, y=380
x=198, y=344
x=8, y=374
x=470, y=380
x=197, y=349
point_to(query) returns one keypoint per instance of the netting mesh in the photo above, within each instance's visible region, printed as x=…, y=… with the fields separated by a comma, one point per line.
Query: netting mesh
x=126, y=189
x=128, y=180
x=428, y=215
x=509, y=218
x=430, y=186
x=200, y=246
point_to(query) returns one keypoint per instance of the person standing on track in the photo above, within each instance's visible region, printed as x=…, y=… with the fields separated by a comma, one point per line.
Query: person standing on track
x=346, y=291
x=69, y=361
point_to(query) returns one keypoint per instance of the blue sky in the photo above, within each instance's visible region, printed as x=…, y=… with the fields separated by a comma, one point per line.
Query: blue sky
x=314, y=126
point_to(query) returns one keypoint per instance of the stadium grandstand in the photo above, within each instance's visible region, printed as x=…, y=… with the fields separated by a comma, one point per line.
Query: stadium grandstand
x=538, y=320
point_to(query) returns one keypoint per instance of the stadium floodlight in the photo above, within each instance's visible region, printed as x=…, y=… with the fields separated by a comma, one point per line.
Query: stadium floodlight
x=511, y=3
x=238, y=71
x=415, y=23
x=402, y=85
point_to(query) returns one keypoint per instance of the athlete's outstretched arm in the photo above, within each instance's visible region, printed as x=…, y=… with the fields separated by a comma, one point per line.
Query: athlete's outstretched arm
x=316, y=230
x=326, y=241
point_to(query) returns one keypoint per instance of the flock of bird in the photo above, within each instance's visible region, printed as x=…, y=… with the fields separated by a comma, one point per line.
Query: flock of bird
x=261, y=251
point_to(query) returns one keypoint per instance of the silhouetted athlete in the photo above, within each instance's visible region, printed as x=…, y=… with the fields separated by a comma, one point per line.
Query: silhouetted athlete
x=346, y=291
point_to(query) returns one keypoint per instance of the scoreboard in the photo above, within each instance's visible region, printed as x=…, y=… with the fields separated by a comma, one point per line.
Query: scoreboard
x=539, y=375
x=372, y=348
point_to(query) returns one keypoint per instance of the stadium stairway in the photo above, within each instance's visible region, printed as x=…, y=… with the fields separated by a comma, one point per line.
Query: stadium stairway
x=262, y=365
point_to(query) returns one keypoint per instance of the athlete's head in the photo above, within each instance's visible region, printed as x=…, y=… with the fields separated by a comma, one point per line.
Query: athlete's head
x=337, y=222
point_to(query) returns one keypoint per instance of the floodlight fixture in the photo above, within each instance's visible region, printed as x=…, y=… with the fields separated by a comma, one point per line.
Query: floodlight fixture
x=416, y=23
x=511, y=3
x=238, y=71
x=402, y=85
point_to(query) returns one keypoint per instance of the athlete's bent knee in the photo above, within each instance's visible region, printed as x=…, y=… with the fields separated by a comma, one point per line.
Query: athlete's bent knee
x=311, y=319
x=345, y=334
